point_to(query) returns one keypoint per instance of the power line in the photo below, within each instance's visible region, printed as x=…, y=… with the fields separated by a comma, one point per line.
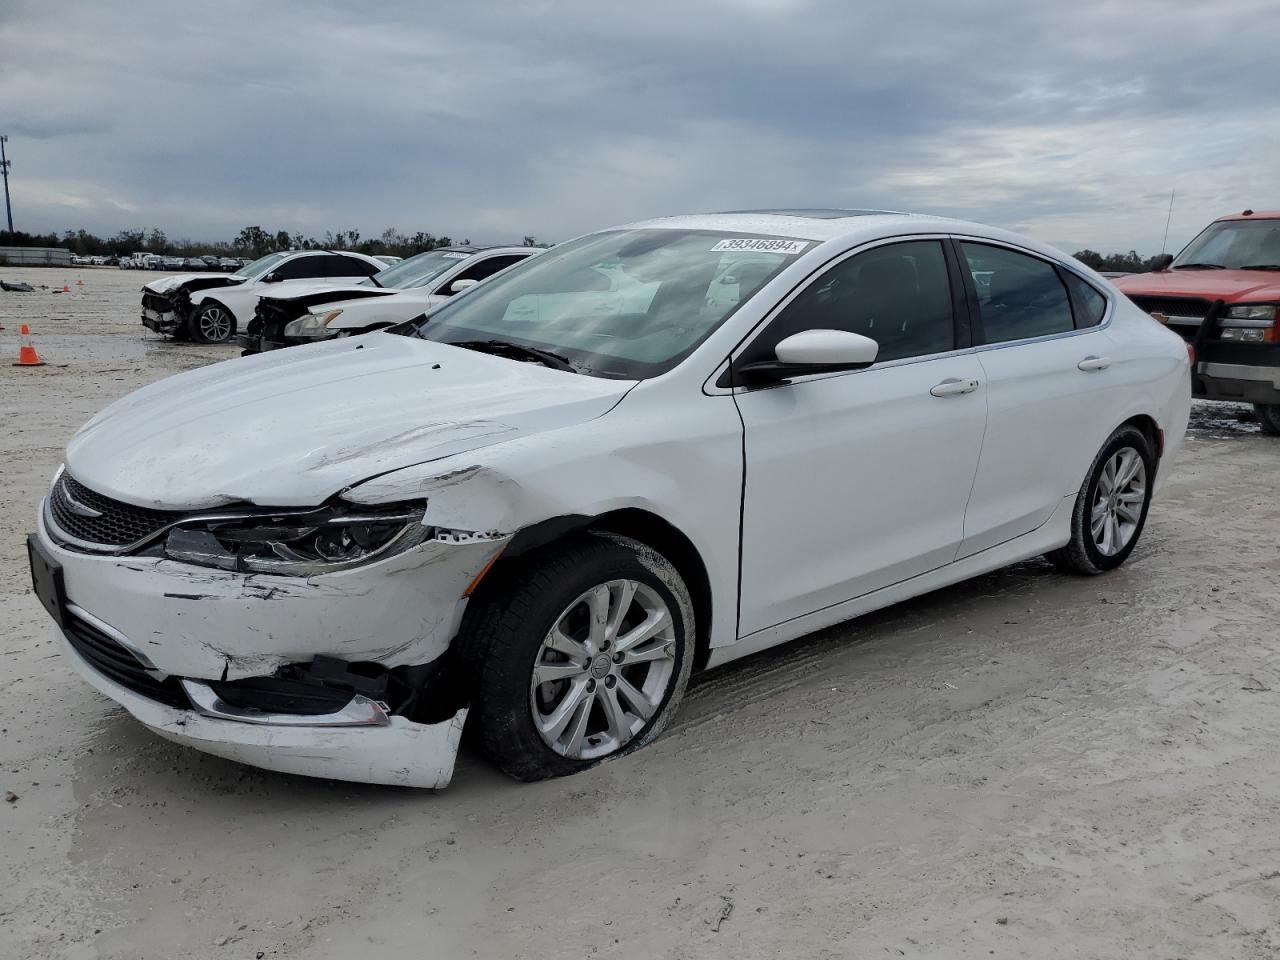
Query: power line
x=4, y=168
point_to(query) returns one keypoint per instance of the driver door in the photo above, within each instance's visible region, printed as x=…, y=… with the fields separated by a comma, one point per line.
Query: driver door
x=858, y=480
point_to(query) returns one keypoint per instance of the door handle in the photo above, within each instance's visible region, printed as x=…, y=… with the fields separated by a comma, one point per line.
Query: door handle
x=1089, y=364
x=953, y=387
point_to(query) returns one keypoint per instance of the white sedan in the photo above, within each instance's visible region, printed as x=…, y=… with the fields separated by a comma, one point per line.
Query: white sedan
x=210, y=307
x=650, y=450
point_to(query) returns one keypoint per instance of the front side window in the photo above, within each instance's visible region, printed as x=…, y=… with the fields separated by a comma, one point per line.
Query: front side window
x=627, y=304
x=305, y=268
x=484, y=269
x=899, y=295
x=1019, y=297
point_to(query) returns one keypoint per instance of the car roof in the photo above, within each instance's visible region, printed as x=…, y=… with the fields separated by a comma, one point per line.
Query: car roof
x=289, y=254
x=821, y=224
x=1253, y=215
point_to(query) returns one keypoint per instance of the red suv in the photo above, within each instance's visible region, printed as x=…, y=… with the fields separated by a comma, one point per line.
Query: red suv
x=1221, y=294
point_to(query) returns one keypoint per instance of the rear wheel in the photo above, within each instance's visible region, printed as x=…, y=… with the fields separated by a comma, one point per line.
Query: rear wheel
x=580, y=653
x=1111, y=508
x=1268, y=418
x=212, y=323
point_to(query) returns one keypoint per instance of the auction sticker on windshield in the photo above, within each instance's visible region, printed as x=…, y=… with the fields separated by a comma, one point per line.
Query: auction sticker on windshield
x=762, y=245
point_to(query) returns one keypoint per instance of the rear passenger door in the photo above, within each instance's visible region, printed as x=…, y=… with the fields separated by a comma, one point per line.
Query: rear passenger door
x=1050, y=390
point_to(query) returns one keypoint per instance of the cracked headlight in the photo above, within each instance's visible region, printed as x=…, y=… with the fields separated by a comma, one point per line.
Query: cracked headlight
x=302, y=543
x=312, y=326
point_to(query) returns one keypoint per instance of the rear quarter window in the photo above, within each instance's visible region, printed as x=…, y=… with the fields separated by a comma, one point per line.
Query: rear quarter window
x=1088, y=305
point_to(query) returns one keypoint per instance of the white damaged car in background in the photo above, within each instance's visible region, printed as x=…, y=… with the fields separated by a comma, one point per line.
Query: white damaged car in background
x=210, y=307
x=307, y=313
x=643, y=452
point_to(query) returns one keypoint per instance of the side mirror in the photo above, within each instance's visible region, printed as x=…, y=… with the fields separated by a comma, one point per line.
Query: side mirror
x=272, y=277
x=1162, y=262
x=812, y=351
x=459, y=285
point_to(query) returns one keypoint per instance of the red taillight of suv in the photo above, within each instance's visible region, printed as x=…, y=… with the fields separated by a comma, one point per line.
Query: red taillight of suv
x=1191, y=355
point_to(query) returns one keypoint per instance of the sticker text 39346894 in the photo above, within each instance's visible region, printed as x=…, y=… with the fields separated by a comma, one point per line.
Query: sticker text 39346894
x=761, y=245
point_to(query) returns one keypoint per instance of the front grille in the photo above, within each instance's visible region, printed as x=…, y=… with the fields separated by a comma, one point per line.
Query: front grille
x=118, y=525
x=156, y=301
x=116, y=662
x=1174, y=306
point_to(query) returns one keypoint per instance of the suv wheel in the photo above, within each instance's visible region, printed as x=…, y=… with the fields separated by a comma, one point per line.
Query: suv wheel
x=1268, y=418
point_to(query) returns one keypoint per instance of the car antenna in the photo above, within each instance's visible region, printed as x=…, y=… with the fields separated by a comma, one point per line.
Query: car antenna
x=1164, y=244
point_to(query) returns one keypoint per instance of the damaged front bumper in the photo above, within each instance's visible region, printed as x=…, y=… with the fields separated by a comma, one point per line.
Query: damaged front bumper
x=160, y=313
x=399, y=752
x=235, y=664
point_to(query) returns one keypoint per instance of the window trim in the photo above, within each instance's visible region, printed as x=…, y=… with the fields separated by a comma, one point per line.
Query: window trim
x=980, y=343
x=717, y=383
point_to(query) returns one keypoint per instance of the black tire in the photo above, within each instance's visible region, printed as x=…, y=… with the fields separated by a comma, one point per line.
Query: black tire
x=1082, y=555
x=1268, y=418
x=212, y=323
x=508, y=619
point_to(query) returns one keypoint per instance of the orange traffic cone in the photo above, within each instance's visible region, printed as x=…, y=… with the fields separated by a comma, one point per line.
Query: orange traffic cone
x=79, y=283
x=65, y=288
x=27, y=356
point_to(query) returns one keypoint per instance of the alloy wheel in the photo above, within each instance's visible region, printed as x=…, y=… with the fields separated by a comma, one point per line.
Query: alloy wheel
x=603, y=670
x=215, y=324
x=1118, y=500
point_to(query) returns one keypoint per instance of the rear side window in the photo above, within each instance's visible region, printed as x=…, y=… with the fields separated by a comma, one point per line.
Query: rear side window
x=1019, y=297
x=340, y=266
x=1087, y=303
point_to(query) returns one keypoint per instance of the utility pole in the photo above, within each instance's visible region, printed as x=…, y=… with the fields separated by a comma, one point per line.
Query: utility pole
x=4, y=168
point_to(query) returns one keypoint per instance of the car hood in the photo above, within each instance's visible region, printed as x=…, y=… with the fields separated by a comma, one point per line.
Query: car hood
x=1229, y=285
x=294, y=427
x=295, y=289
x=171, y=283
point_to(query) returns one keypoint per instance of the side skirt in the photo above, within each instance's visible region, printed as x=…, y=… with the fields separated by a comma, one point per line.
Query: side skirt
x=1055, y=532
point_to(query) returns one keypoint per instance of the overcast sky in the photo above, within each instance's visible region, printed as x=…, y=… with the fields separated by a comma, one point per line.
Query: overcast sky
x=1069, y=121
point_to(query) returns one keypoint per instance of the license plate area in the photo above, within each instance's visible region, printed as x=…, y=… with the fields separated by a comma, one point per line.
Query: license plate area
x=46, y=580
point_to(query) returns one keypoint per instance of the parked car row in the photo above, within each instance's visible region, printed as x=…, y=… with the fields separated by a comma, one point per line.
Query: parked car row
x=303, y=296
x=543, y=500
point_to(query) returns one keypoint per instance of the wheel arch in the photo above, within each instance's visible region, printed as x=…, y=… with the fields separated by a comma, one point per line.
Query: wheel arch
x=637, y=524
x=1151, y=430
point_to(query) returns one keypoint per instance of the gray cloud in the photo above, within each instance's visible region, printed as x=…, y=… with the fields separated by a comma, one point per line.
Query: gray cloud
x=1071, y=122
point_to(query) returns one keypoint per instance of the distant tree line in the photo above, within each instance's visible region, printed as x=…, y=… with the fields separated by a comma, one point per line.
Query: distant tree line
x=1131, y=262
x=250, y=242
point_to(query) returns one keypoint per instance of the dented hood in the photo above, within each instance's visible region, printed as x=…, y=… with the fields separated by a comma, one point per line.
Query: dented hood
x=294, y=427
x=169, y=284
x=297, y=289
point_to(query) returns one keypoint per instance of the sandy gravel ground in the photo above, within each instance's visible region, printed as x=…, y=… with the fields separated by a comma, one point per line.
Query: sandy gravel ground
x=1027, y=765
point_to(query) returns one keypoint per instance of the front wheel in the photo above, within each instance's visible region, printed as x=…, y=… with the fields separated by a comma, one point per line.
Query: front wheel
x=580, y=653
x=1268, y=418
x=1111, y=508
x=212, y=323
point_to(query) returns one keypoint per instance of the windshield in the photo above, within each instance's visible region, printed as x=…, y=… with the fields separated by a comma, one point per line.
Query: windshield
x=419, y=270
x=626, y=304
x=1234, y=244
x=259, y=266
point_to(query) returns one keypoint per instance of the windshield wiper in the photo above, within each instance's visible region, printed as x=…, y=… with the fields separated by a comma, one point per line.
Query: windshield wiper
x=1260, y=266
x=1199, y=266
x=517, y=351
